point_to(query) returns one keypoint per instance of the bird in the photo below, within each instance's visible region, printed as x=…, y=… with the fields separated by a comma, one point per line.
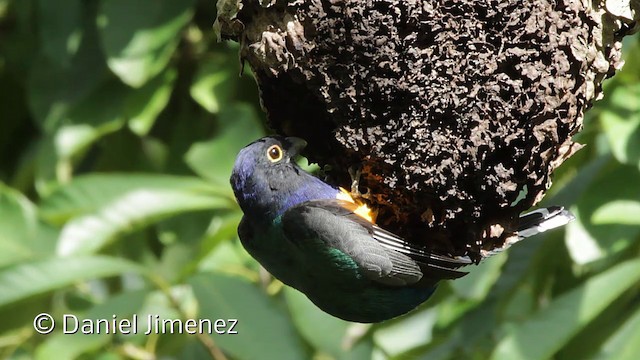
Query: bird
x=316, y=238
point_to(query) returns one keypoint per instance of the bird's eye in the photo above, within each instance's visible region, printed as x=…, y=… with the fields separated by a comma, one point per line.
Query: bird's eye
x=274, y=153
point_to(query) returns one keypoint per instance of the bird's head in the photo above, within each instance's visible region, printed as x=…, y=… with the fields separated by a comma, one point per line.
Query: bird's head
x=264, y=173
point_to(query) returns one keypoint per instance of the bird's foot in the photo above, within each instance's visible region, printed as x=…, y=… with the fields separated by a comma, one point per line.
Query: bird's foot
x=355, y=172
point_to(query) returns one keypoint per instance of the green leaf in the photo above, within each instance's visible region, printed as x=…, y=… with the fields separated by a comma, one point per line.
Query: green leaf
x=78, y=125
x=583, y=247
x=46, y=179
x=99, y=207
x=19, y=282
x=71, y=346
x=215, y=82
x=477, y=284
x=327, y=334
x=231, y=258
x=222, y=228
x=406, y=333
x=144, y=106
x=22, y=236
x=214, y=159
x=597, y=233
x=261, y=323
x=90, y=193
x=140, y=37
x=618, y=212
x=470, y=331
x=53, y=88
x=83, y=125
x=181, y=236
x=158, y=306
x=621, y=124
x=60, y=25
x=18, y=226
x=624, y=344
x=566, y=315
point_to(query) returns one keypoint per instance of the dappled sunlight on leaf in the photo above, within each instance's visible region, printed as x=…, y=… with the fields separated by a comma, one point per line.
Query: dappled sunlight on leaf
x=566, y=315
x=102, y=206
x=28, y=279
x=626, y=212
x=139, y=47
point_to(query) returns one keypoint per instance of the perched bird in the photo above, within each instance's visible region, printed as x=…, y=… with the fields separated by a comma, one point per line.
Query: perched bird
x=318, y=239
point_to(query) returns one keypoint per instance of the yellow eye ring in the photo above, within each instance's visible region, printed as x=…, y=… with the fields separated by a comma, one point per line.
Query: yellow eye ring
x=274, y=153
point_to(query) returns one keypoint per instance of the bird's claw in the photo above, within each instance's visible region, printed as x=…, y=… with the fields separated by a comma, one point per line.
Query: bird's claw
x=355, y=172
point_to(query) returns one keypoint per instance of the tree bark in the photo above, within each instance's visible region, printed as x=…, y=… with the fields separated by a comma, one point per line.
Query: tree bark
x=457, y=111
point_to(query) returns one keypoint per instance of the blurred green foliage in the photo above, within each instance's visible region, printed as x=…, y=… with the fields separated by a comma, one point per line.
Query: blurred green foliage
x=119, y=123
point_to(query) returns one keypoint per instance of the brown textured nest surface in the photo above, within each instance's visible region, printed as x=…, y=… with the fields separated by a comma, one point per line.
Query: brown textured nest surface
x=456, y=111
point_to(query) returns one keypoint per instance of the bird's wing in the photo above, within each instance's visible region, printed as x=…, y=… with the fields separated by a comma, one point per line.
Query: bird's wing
x=383, y=256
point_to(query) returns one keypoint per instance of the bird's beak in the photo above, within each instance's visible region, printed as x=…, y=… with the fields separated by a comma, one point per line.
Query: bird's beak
x=297, y=145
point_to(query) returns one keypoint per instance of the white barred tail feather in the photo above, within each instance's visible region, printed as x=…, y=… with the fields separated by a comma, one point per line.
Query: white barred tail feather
x=536, y=222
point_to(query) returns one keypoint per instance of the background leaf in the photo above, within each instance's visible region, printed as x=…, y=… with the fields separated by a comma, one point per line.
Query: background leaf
x=329, y=336
x=144, y=106
x=70, y=346
x=213, y=159
x=215, y=83
x=100, y=207
x=60, y=29
x=621, y=123
x=567, y=315
x=597, y=227
x=20, y=235
x=625, y=343
x=22, y=281
x=261, y=321
x=139, y=47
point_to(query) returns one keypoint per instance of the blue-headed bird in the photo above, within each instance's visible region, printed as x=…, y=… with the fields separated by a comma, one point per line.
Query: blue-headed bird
x=317, y=239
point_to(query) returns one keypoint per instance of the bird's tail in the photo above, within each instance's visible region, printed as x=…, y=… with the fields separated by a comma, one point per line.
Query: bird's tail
x=536, y=222
x=541, y=220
